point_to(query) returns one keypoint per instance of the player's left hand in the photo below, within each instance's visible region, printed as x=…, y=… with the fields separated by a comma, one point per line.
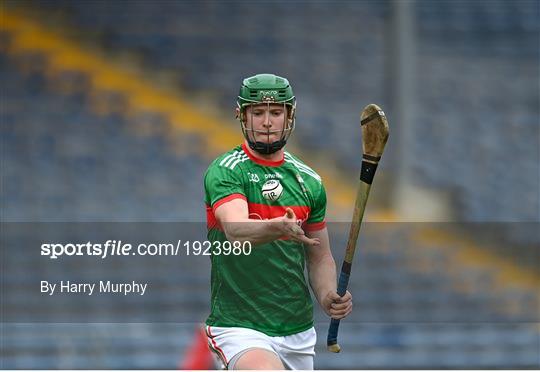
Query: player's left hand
x=337, y=307
x=290, y=228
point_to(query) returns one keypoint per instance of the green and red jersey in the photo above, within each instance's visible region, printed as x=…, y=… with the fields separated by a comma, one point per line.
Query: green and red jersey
x=267, y=289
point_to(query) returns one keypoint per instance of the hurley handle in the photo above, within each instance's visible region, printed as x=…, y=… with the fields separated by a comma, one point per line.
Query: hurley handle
x=331, y=340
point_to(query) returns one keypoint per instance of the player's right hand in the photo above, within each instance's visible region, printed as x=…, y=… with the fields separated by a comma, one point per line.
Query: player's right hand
x=290, y=228
x=336, y=306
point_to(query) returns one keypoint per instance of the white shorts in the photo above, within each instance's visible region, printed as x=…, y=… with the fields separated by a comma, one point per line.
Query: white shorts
x=229, y=343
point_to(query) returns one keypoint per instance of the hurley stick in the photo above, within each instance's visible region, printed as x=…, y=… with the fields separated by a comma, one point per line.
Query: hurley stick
x=374, y=135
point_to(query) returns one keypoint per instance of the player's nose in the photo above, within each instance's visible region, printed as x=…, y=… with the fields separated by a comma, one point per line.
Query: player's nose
x=267, y=123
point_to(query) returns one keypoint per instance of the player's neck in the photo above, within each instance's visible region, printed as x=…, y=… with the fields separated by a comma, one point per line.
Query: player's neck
x=275, y=157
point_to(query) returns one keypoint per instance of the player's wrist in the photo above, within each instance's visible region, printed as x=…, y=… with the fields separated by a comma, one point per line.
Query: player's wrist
x=279, y=225
x=323, y=296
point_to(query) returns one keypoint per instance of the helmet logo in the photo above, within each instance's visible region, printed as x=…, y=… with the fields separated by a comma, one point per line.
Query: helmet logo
x=268, y=95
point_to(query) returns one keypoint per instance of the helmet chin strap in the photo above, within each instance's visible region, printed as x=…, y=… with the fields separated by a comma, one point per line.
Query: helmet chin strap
x=266, y=148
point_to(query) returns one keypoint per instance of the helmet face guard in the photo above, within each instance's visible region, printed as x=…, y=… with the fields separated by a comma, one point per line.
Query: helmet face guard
x=266, y=89
x=250, y=133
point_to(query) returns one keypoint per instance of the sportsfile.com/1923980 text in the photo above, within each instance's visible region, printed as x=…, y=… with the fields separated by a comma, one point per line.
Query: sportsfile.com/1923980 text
x=118, y=248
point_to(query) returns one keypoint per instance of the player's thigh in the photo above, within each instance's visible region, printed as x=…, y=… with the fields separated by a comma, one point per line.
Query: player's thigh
x=257, y=358
x=231, y=342
x=297, y=351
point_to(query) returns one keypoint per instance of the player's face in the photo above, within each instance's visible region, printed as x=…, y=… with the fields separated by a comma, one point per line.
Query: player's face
x=266, y=121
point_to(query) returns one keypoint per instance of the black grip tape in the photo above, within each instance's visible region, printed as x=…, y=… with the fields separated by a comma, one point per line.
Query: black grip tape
x=368, y=172
x=372, y=158
x=346, y=267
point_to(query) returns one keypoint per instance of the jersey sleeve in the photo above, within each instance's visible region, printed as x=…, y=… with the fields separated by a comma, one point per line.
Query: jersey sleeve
x=318, y=212
x=222, y=184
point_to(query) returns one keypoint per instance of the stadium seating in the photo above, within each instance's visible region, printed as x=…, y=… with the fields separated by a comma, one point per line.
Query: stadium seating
x=52, y=165
x=476, y=68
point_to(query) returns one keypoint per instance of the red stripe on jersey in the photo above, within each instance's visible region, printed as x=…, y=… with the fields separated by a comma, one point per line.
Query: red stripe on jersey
x=266, y=212
x=211, y=221
x=314, y=226
x=263, y=162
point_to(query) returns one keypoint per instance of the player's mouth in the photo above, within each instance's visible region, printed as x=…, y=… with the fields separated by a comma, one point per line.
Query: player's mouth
x=266, y=139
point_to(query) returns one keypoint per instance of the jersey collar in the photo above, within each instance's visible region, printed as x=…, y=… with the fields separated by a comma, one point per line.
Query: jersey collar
x=266, y=163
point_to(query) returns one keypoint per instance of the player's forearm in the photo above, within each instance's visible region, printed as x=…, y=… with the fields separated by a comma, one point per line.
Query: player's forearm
x=253, y=231
x=322, y=276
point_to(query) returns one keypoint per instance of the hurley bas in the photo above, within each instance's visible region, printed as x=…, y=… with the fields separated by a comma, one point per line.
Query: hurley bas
x=66, y=286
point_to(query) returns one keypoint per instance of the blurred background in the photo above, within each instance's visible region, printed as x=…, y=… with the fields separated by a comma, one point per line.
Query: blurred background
x=112, y=110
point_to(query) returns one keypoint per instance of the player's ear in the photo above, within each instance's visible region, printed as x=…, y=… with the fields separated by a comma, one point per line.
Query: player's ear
x=237, y=112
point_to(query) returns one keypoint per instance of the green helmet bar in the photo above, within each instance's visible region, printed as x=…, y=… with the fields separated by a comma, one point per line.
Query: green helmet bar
x=266, y=89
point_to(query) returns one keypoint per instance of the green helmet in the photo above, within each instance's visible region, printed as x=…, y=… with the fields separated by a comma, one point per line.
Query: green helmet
x=267, y=89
